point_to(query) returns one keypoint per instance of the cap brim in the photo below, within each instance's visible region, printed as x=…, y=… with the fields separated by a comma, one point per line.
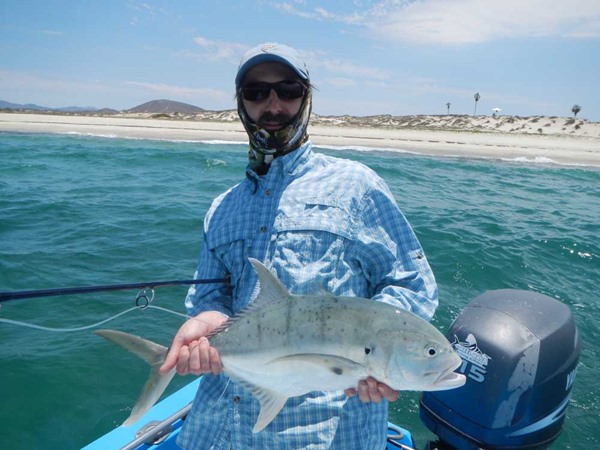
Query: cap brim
x=264, y=58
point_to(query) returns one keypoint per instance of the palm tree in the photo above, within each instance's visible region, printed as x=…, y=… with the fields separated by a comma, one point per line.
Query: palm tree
x=575, y=110
x=477, y=97
x=448, y=107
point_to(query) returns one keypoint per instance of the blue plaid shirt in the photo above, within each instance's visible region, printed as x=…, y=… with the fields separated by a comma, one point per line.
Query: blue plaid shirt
x=319, y=222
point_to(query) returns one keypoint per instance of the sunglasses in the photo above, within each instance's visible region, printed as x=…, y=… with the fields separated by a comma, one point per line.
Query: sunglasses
x=286, y=90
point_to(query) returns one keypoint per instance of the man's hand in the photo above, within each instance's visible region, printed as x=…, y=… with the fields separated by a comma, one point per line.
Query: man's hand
x=190, y=351
x=370, y=390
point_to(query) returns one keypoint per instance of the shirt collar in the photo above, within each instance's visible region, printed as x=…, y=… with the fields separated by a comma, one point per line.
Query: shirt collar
x=295, y=160
x=289, y=163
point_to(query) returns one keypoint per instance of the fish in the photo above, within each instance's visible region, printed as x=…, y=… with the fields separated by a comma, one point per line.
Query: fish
x=284, y=345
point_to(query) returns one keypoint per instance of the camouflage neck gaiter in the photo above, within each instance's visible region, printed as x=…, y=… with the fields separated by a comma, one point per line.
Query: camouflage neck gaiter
x=265, y=146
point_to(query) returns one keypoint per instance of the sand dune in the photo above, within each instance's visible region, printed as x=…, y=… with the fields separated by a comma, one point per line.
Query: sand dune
x=542, y=139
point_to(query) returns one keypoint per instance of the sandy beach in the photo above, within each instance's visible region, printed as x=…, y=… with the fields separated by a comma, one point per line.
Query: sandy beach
x=528, y=139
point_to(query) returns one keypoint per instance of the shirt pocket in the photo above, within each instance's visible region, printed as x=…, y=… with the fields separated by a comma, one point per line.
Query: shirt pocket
x=232, y=246
x=315, y=230
x=316, y=214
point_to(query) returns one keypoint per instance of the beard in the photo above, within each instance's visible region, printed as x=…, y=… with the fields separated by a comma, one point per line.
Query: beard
x=282, y=119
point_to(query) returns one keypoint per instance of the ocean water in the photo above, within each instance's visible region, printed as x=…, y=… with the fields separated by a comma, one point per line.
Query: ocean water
x=84, y=210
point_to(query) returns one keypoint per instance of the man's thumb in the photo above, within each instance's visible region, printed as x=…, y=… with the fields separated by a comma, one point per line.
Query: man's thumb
x=171, y=358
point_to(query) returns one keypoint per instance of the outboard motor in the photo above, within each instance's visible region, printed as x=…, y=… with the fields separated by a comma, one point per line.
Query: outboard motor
x=520, y=351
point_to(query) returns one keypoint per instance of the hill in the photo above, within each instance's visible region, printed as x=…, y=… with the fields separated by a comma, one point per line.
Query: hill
x=33, y=107
x=165, y=107
x=151, y=107
x=28, y=107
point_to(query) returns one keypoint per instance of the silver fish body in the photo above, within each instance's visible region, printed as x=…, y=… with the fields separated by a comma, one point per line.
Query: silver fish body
x=286, y=345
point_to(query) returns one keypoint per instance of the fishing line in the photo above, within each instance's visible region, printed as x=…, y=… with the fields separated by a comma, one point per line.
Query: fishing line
x=94, y=325
x=224, y=389
x=67, y=330
x=142, y=299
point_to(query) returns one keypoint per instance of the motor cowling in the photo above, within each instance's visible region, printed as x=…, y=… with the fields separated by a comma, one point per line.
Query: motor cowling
x=520, y=351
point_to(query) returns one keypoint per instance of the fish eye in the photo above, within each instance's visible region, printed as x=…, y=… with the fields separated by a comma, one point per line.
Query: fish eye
x=431, y=351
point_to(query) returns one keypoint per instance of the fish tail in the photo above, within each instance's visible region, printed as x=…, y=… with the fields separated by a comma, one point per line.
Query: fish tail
x=154, y=354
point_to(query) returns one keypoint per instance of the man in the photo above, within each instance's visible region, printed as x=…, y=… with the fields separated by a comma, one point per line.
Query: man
x=316, y=221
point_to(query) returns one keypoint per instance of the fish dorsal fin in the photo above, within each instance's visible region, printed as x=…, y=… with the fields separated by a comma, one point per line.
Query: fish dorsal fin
x=271, y=289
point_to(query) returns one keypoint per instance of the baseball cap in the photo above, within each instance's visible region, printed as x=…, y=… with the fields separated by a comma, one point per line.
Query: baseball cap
x=271, y=52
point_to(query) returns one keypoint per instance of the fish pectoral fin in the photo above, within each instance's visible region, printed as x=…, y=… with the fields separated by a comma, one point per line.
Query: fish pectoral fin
x=335, y=364
x=270, y=401
x=270, y=404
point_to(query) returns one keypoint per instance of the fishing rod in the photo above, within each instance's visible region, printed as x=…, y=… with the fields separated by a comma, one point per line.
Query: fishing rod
x=17, y=295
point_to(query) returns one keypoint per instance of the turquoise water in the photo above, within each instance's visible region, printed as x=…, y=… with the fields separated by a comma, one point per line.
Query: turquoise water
x=78, y=210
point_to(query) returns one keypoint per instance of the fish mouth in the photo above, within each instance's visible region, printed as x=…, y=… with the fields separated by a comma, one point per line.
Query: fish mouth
x=450, y=379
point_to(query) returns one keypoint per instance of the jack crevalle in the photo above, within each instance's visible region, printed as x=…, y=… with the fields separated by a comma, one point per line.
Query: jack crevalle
x=286, y=345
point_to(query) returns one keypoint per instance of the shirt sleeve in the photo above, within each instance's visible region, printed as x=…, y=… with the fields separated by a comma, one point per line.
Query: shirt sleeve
x=391, y=256
x=209, y=297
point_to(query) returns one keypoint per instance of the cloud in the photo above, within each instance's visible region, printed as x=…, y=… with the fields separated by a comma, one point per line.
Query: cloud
x=169, y=90
x=219, y=50
x=147, y=8
x=50, y=32
x=318, y=13
x=292, y=10
x=144, y=11
x=340, y=82
x=468, y=21
x=13, y=79
x=45, y=32
x=340, y=72
x=232, y=52
x=26, y=87
x=465, y=21
x=349, y=69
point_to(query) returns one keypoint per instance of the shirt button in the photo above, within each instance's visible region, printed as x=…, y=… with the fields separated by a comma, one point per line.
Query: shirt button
x=236, y=399
x=268, y=192
x=263, y=229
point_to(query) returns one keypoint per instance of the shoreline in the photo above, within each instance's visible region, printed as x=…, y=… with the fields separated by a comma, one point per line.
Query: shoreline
x=562, y=149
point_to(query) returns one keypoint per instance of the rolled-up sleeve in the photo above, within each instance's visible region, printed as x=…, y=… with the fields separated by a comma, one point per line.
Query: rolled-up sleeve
x=213, y=296
x=392, y=257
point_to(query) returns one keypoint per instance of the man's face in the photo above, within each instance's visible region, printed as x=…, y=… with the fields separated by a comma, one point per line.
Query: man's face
x=271, y=112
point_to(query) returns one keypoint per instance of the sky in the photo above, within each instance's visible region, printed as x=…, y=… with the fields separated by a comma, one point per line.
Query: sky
x=403, y=57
